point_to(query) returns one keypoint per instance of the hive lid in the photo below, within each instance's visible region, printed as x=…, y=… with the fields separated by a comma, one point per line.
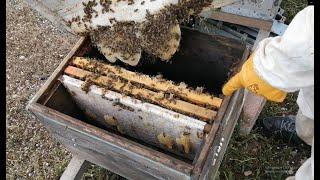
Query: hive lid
x=51, y=9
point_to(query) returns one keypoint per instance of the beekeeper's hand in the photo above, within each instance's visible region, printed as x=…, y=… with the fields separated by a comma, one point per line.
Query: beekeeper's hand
x=249, y=79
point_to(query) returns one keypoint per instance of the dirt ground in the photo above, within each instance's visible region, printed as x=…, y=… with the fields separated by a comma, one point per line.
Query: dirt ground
x=35, y=48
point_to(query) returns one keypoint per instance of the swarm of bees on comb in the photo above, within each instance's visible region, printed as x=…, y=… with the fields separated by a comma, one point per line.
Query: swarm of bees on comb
x=122, y=29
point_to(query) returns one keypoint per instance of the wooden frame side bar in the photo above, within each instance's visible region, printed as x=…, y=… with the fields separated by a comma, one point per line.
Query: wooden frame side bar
x=240, y=20
x=57, y=72
x=200, y=159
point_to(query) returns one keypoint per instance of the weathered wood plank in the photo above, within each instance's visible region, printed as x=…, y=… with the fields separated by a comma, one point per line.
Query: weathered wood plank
x=45, y=89
x=262, y=34
x=106, y=156
x=109, y=162
x=236, y=19
x=188, y=95
x=109, y=150
x=154, y=97
x=224, y=133
x=207, y=143
x=220, y=3
x=75, y=169
x=199, y=163
x=253, y=105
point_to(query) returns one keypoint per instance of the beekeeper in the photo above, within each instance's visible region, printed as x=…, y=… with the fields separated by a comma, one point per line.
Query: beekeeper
x=285, y=64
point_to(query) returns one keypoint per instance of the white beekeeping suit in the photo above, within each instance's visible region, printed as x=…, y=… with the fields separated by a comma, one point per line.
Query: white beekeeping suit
x=287, y=63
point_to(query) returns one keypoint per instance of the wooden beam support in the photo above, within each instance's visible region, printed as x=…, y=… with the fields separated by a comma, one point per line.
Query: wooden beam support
x=75, y=169
x=240, y=20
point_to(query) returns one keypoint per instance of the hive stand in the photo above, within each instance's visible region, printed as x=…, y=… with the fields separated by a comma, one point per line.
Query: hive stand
x=75, y=169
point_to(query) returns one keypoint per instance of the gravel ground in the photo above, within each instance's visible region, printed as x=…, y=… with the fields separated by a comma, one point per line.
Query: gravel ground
x=34, y=48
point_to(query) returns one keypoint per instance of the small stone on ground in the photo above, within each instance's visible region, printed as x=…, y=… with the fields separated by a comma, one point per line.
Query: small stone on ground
x=34, y=48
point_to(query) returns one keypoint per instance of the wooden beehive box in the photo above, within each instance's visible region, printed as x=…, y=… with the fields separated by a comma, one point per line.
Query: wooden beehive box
x=206, y=58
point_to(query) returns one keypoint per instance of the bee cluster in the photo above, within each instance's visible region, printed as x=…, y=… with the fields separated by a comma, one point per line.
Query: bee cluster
x=89, y=11
x=74, y=19
x=120, y=38
x=106, y=5
x=89, y=80
x=156, y=32
x=129, y=38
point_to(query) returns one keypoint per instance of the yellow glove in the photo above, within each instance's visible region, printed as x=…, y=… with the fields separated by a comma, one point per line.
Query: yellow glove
x=247, y=78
